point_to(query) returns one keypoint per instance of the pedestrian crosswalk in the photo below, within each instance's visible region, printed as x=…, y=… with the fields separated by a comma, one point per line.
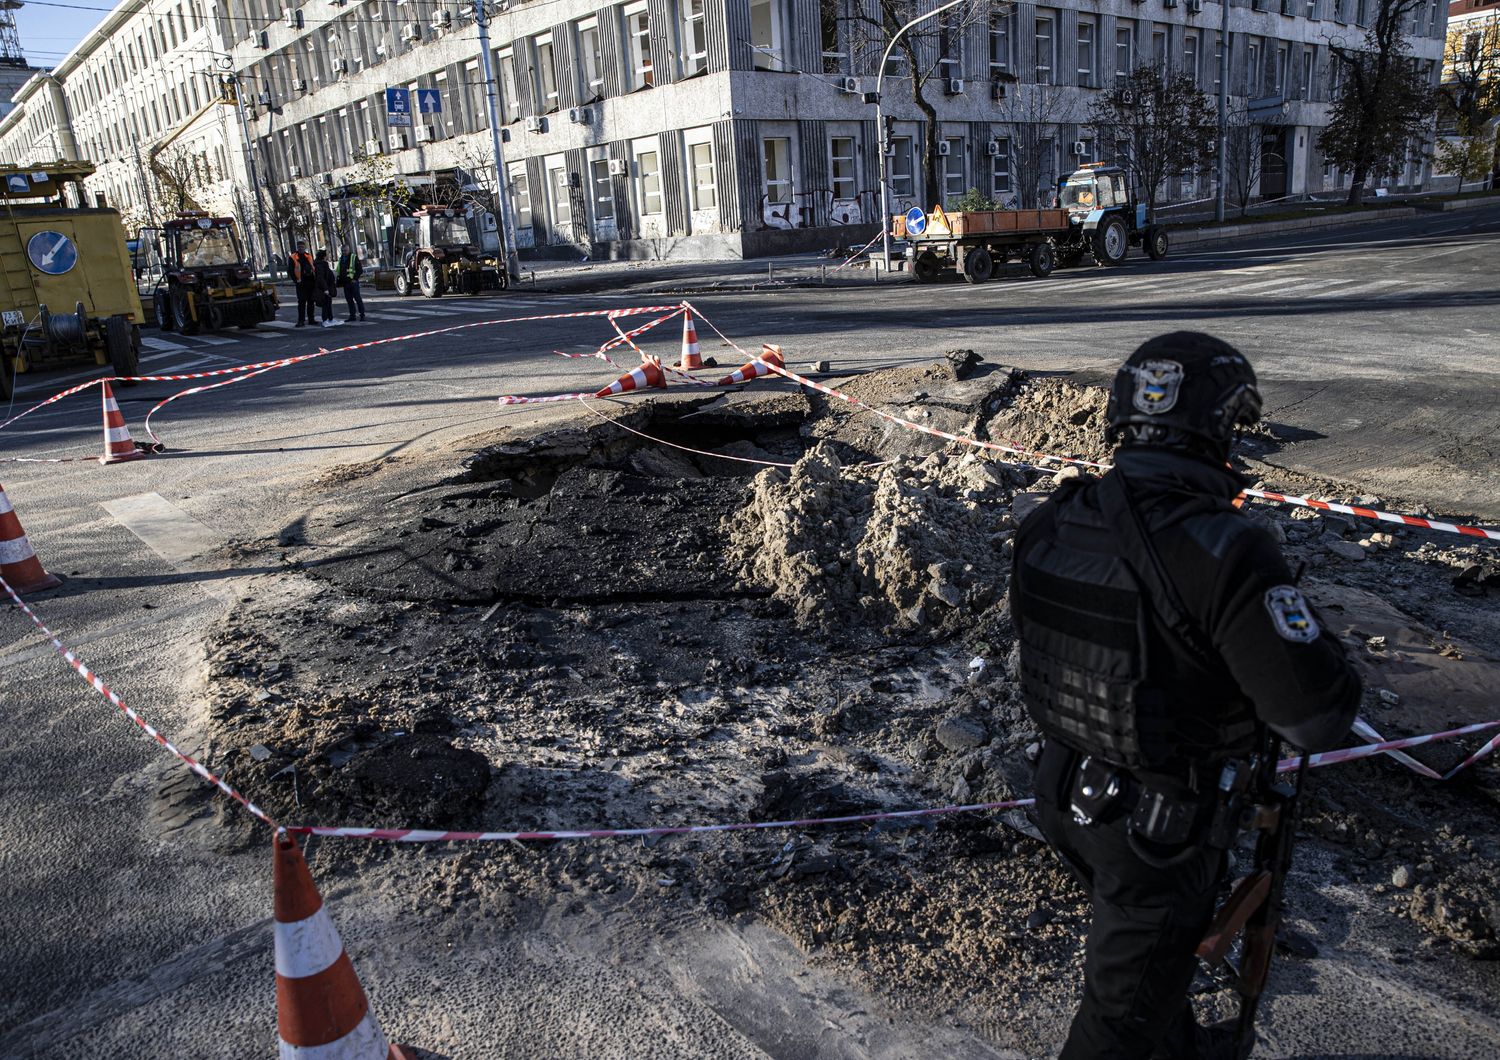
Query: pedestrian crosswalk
x=1254, y=286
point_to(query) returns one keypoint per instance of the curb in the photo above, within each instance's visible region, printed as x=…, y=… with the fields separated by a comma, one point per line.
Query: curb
x=1249, y=231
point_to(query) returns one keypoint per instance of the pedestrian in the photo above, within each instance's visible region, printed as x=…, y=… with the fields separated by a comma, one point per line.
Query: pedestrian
x=326, y=285
x=348, y=273
x=1160, y=630
x=304, y=280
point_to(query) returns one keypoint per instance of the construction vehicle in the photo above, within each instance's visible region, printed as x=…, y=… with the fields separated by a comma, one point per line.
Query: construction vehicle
x=975, y=243
x=66, y=291
x=195, y=274
x=1106, y=218
x=435, y=251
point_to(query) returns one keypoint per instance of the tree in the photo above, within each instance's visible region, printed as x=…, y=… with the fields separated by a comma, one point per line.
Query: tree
x=1165, y=122
x=179, y=175
x=1383, y=103
x=924, y=54
x=1466, y=154
x=1243, y=155
x=1035, y=114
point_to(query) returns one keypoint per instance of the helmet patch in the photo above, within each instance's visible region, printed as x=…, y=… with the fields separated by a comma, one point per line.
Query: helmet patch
x=1157, y=384
x=1290, y=614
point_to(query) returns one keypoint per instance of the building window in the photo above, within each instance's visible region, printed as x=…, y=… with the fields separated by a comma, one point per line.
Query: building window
x=841, y=152
x=835, y=59
x=954, y=184
x=705, y=193
x=899, y=167
x=510, y=99
x=1218, y=62
x=648, y=173
x=1046, y=41
x=1086, y=42
x=694, y=38
x=562, y=199
x=778, y=169
x=1159, y=51
x=1280, y=87
x=1000, y=168
x=591, y=59
x=766, y=34
x=1304, y=90
x=520, y=197
x=604, y=195
x=1190, y=55
x=638, y=34
x=544, y=80
x=1000, y=37
x=1124, y=51
x=950, y=47
x=1253, y=70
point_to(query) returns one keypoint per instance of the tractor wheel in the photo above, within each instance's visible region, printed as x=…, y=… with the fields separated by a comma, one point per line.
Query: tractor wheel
x=120, y=343
x=979, y=266
x=1156, y=242
x=927, y=267
x=215, y=316
x=403, y=284
x=267, y=308
x=1042, y=260
x=1111, y=242
x=430, y=278
x=182, y=316
x=162, y=306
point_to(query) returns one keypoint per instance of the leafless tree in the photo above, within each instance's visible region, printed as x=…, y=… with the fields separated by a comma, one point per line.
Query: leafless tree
x=1165, y=121
x=1036, y=114
x=1243, y=154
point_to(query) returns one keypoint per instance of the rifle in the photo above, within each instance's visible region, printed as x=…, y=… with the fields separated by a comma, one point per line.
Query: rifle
x=1267, y=806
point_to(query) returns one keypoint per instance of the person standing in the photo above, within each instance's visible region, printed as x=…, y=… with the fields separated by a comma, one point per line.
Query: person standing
x=325, y=286
x=347, y=274
x=304, y=281
x=1160, y=630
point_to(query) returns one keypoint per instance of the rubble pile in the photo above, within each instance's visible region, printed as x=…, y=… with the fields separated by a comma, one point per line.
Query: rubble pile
x=1054, y=417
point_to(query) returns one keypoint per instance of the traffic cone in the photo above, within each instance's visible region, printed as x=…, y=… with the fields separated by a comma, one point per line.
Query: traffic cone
x=691, y=357
x=19, y=566
x=321, y=1010
x=118, y=446
x=648, y=374
x=770, y=354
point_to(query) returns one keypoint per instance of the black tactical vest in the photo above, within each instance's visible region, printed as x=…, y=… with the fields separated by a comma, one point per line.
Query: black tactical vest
x=1101, y=671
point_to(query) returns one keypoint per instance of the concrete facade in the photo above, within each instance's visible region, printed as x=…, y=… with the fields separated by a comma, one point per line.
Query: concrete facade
x=713, y=128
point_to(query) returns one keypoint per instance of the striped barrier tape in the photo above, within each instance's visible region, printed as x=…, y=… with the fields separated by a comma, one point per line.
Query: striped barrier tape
x=96, y=682
x=1266, y=495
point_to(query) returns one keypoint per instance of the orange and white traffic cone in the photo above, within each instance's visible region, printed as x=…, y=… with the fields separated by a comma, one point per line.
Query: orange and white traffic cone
x=691, y=356
x=648, y=374
x=755, y=369
x=19, y=566
x=118, y=446
x=321, y=1010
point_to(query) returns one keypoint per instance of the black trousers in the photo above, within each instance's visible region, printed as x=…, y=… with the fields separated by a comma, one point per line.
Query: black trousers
x=1147, y=922
x=307, y=295
x=355, y=299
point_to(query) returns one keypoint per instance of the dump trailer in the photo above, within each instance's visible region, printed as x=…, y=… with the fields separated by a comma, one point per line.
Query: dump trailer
x=977, y=242
x=66, y=289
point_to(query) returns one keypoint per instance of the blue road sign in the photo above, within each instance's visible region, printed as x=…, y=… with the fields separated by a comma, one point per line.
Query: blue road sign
x=429, y=101
x=17, y=182
x=916, y=221
x=52, y=252
x=398, y=106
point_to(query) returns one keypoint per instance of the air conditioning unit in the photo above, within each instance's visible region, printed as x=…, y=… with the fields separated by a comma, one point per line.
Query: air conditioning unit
x=1127, y=98
x=425, y=133
x=574, y=180
x=374, y=147
x=294, y=171
x=264, y=99
x=299, y=85
x=442, y=20
x=411, y=31
x=1080, y=148
x=294, y=19
x=325, y=179
x=376, y=15
x=399, y=140
x=997, y=90
x=535, y=124
x=340, y=65
x=992, y=148
x=380, y=49
x=954, y=86
x=944, y=147
x=848, y=84
x=617, y=167
x=263, y=40
x=579, y=115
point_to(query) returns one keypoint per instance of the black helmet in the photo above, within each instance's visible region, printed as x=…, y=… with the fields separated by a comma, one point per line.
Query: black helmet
x=1183, y=389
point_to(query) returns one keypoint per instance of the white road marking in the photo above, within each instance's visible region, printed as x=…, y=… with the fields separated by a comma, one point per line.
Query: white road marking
x=283, y=324
x=172, y=534
x=1370, y=288
x=152, y=343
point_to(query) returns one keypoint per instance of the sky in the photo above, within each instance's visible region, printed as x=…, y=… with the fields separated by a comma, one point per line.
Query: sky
x=49, y=33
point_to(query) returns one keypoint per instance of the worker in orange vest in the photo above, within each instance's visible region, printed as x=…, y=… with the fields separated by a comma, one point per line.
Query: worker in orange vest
x=304, y=278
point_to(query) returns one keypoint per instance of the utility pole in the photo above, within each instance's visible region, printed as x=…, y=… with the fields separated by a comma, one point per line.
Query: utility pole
x=1222, y=163
x=260, y=211
x=492, y=104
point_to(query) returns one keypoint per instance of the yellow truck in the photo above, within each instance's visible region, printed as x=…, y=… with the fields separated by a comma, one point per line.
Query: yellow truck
x=66, y=288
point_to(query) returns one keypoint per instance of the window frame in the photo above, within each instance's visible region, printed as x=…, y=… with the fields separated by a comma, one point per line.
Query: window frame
x=851, y=159
x=781, y=184
x=1044, y=72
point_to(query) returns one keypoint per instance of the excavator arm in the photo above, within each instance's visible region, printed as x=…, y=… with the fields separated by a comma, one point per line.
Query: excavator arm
x=165, y=178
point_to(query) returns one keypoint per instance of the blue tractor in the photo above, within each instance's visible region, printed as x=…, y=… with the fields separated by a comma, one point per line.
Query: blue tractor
x=1106, y=218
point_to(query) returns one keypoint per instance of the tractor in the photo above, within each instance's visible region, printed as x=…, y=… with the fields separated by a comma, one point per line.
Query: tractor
x=435, y=252
x=194, y=272
x=65, y=283
x=1106, y=218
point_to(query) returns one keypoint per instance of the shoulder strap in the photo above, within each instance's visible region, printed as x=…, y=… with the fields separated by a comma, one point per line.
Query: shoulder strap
x=1114, y=502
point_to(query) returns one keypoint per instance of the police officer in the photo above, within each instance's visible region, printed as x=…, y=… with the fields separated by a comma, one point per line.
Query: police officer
x=1159, y=629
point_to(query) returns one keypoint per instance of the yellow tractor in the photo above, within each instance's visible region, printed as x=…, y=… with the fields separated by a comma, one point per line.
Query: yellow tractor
x=66, y=287
x=194, y=271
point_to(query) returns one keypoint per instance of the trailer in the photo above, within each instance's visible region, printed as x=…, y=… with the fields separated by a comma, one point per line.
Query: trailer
x=974, y=243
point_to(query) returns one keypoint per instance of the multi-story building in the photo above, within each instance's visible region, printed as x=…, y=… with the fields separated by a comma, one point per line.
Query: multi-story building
x=1471, y=79
x=141, y=91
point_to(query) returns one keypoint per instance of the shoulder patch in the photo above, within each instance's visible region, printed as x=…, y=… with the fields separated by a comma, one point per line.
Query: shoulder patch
x=1156, y=386
x=1290, y=614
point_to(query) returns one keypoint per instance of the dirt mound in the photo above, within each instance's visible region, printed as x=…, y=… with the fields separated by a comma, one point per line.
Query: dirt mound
x=1055, y=417
x=909, y=545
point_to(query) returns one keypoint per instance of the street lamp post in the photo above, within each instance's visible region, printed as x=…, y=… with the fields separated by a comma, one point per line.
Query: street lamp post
x=253, y=169
x=885, y=199
x=1223, y=145
x=492, y=105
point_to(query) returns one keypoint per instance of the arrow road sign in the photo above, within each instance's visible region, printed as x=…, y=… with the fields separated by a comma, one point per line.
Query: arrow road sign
x=398, y=106
x=429, y=101
x=52, y=252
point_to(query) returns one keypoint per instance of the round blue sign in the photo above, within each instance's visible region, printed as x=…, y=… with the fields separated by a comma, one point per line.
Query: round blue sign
x=52, y=252
x=916, y=221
